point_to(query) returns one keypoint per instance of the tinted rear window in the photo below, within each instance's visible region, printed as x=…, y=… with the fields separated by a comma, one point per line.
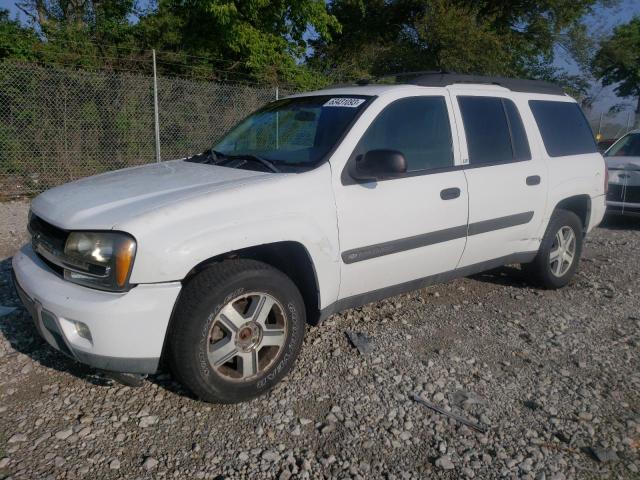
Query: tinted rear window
x=563, y=127
x=487, y=130
x=494, y=129
x=627, y=146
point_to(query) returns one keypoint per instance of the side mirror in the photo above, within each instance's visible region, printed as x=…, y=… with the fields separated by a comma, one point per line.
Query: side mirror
x=379, y=164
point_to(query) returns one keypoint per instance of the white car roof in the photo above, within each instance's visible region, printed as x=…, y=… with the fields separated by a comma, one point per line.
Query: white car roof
x=381, y=90
x=438, y=81
x=361, y=90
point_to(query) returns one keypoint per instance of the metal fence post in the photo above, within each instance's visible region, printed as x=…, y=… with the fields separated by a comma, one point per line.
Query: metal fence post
x=155, y=107
x=599, y=135
x=277, y=122
x=70, y=124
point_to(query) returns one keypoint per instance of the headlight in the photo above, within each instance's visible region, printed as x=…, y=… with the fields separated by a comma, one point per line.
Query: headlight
x=99, y=259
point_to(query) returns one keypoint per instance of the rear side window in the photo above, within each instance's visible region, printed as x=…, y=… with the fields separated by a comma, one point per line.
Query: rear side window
x=628, y=146
x=416, y=126
x=494, y=130
x=563, y=127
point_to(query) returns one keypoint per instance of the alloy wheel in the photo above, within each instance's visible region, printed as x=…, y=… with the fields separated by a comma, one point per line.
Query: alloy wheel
x=563, y=251
x=246, y=336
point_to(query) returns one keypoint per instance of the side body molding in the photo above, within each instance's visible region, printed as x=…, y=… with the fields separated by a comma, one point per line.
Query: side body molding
x=431, y=238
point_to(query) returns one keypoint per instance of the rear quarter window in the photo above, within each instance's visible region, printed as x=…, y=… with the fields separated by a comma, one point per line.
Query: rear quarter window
x=494, y=130
x=564, y=129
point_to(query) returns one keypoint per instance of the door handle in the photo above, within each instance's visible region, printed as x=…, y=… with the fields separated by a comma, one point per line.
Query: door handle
x=450, y=193
x=533, y=180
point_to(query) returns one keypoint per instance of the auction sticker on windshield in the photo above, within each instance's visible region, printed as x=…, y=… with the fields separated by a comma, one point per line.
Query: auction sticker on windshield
x=344, y=102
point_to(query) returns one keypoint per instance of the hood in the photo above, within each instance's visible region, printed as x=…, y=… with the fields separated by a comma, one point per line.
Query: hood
x=624, y=170
x=102, y=201
x=623, y=163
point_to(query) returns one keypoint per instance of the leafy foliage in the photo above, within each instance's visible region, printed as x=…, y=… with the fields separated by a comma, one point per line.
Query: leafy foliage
x=306, y=43
x=488, y=37
x=617, y=62
x=15, y=40
x=262, y=39
x=239, y=40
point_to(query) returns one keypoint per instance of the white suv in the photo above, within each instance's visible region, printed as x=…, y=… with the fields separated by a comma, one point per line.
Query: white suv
x=314, y=204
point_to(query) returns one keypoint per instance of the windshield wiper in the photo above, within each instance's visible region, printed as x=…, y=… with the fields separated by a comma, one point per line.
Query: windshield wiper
x=257, y=159
x=208, y=156
x=215, y=158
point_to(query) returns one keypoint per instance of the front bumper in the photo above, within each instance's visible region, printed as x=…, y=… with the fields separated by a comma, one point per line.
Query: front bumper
x=624, y=193
x=623, y=208
x=127, y=329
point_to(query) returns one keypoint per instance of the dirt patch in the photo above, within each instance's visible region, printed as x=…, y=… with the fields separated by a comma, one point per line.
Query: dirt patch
x=13, y=226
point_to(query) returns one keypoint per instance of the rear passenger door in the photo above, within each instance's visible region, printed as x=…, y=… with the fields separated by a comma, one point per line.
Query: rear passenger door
x=506, y=176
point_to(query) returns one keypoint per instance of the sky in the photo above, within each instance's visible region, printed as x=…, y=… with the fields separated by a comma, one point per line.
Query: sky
x=600, y=23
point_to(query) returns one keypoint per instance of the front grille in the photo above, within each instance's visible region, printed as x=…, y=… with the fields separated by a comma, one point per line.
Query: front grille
x=57, y=269
x=632, y=194
x=48, y=237
x=619, y=193
x=53, y=235
x=615, y=193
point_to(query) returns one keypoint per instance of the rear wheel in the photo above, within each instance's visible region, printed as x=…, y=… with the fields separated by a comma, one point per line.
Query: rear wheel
x=559, y=253
x=237, y=331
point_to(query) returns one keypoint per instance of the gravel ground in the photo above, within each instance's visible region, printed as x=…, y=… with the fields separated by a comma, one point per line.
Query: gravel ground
x=553, y=377
x=13, y=232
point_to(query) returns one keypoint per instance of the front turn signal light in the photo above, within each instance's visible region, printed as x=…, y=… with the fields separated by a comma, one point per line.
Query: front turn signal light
x=124, y=261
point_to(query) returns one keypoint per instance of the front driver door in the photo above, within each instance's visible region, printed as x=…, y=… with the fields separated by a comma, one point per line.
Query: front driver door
x=395, y=232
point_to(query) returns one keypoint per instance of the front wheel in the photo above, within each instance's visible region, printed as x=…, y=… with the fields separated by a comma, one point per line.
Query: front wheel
x=237, y=331
x=559, y=253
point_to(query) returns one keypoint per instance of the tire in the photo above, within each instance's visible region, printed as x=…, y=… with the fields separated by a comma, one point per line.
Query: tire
x=222, y=344
x=547, y=273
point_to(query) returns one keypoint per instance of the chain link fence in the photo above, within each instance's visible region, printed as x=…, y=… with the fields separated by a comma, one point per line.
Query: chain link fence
x=609, y=126
x=57, y=125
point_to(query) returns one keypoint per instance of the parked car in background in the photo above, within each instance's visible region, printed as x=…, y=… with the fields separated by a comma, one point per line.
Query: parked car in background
x=314, y=204
x=604, y=144
x=623, y=162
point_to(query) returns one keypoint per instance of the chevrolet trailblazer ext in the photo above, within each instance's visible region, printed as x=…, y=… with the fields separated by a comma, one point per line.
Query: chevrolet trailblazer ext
x=313, y=204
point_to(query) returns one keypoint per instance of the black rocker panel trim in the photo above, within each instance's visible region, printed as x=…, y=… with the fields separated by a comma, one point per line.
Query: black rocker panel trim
x=386, y=292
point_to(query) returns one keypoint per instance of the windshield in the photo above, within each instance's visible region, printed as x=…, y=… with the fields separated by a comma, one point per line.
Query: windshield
x=295, y=131
x=627, y=146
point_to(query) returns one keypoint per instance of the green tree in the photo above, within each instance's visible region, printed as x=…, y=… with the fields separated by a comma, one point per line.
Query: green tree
x=467, y=36
x=617, y=62
x=16, y=41
x=236, y=40
x=264, y=40
x=83, y=33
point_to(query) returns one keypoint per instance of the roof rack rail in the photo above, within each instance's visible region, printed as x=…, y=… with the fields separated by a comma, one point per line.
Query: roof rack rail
x=441, y=79
x=430, y=78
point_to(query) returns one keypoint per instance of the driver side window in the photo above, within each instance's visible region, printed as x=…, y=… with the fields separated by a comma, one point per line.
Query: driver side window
x=418, y=127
